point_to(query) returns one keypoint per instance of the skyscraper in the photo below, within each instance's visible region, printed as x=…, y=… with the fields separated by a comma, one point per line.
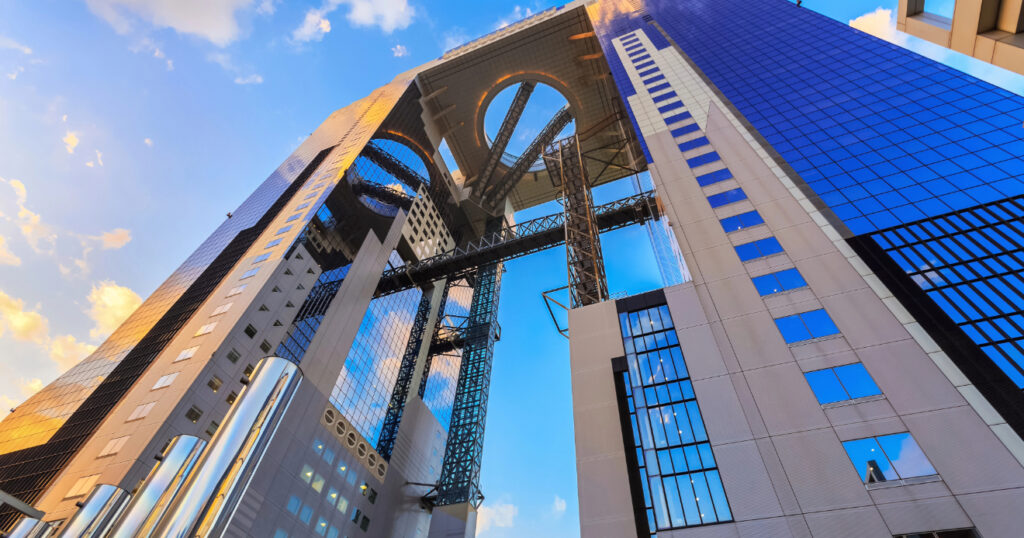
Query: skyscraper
x=837, y=349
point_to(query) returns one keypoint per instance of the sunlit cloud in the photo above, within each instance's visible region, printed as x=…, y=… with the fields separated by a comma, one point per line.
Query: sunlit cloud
x=28, y=387
x=399, y=51
x=454, y=38
x=224, y=61
x=110, y=304
x=6, y=256
x=13, y=75
x=148, y=142
x=70, y=141
x=388, y=15
x=115, y=238
x=213, y=20
x=67, y=351
x=501, y=515
x=23, y=324
x=10, y=44
x=266, y=7
x=150, y=47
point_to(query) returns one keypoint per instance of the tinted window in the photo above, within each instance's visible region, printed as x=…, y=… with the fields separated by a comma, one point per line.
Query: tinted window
x=727, y=197
x=805, y=326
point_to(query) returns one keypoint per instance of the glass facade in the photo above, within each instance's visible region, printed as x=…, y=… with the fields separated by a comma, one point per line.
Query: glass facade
x=443, y=375
x=678, y=474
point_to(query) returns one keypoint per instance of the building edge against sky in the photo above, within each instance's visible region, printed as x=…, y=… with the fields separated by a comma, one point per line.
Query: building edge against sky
x=844, y=359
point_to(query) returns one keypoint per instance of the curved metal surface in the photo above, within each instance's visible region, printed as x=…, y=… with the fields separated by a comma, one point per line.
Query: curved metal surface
x=159, y=488
x=30, y=527
x=97, y=513
x=218, y=481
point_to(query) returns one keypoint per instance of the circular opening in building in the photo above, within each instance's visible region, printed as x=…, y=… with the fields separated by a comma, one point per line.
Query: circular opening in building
x=386, y=176
x=543, y=105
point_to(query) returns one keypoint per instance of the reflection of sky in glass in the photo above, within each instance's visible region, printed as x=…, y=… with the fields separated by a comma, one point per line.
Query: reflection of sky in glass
x=895, y=456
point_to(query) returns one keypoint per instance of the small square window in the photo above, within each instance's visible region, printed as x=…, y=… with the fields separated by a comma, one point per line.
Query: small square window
x=294, y=217
x=318, y=483
x=741, y=221
x=841, y=383
x=187, y=354
x=250, y=331
x=306, y=474
x=265, y=347
x=221, y=309
x=342, y=504
x=283, y=230
x=233, y=355
x=250, y=273
x=193, y=414
x=141, y=411
x=727, y=197
x=214, y=383
x=231, y=398
x=113, y=446
x=212, y=428
x=273, y=243
x=778, y=282
x=806, y=326
x=372, y=497
x=306, y=514
x=888, y=457
x=321, y=526
x=294, y=503
x=248, y=370
x=206, y=329
x=365, y=523
x=82, y=486
x=164, y=381
x=261, y=258
x=236, y=290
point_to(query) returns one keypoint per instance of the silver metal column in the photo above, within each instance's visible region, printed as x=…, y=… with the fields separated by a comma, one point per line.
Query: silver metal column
x=160, y=488
x=30, y=527
x=214, y=487
x=97, y=513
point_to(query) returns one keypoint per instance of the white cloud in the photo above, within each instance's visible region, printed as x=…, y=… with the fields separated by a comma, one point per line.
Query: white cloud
x=8, y=43
x=455, y=38
x=518, y=14
x=249, y=79
x=67, y=351
x=879, y=23
x=28, y=387
x=213, y=20
x=388, y=15
x=70, y=141
x=558, y=507
x=23, y=324
x=399, y=51
x=115, y=238
x=64, y=118
x=6, y=256
x=266, y=7
x=13, y=75
x=39, y=235
x=90, y=164
x=147, y=45
x=110, y=306
x=496, y=515
x=148, y=142
x=99, y=158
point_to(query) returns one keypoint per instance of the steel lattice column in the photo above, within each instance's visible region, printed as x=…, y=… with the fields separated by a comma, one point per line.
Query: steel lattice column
x=437, y=327
x=406, y=372
x=508, y=126
x=587, y=282
x=460, y=472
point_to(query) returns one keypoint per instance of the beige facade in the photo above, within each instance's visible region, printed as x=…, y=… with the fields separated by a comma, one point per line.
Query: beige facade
x=989, y=30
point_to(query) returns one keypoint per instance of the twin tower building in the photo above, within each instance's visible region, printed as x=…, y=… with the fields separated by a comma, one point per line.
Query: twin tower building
x=837, y=351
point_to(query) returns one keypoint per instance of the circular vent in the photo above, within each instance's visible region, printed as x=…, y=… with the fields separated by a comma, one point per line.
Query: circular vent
x=329, y=416
x=361, y=451
x=351, y=439
x=340, y=428
x=371, y=459
x=381, y=469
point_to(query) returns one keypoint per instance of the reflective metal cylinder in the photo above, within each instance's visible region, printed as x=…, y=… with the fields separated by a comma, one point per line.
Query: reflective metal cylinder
x=30, y=527
x=160, y=488
x=218, y=481
x=97, y=513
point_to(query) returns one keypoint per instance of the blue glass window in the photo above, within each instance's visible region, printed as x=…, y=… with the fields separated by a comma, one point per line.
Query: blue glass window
x=693, y=144
x=294, y=217
x=664, y=97
x=711, y=178
x=758, y=249
x=806, y=326
x=679, y=474
x=743, y=220
x=678, y=118
x=294, y=503
x=888, y=457
x=648, y=73
x=652, y=80
x=726, y=197
x=283, y=230
x=250, y=273
x=788, y=279
x=670, y=107
x=261, y=258
x=659, y=87
x=702, y=159
x=841, y=383
x=274, y=243
x=306, y=514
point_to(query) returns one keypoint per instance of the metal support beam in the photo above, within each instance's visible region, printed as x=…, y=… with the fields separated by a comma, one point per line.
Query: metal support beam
x=383, y=194
x=508, y=126
x=587, y=282
x=513, y=242
x=437, y=328
x=460, y=470
x=396, y=168
x=494, y=196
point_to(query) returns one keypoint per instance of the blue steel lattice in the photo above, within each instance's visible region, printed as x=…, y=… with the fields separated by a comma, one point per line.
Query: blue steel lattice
x=460, y=472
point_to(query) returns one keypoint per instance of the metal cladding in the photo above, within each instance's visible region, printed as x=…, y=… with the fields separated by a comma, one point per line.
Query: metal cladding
x=221, y=476
x=30, y=527
x=97, y=513
x=160, y=488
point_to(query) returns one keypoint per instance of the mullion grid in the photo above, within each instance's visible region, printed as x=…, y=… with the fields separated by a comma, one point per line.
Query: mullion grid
x=682, y=496
x=969, y=262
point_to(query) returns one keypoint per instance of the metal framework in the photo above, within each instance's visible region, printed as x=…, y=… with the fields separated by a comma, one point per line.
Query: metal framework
x=508, y=126
x=448, y=285
x=393, y=166
x=406, y=371
x=587, y=282
x=495, y=193
x=383, y=194
x=512, y=242
x=460, y=470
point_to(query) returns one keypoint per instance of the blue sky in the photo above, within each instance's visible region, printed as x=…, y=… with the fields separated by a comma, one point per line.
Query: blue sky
x=128, y=128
